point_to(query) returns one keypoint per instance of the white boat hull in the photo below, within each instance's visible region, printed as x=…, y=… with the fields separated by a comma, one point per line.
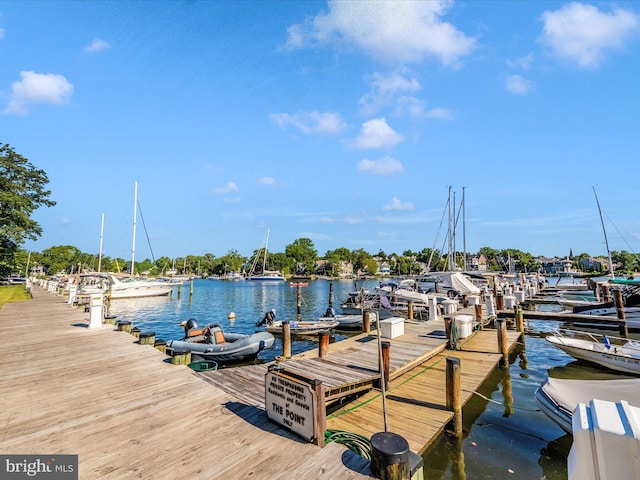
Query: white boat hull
x=558, y=397
x=302, y=328
x=614, y=358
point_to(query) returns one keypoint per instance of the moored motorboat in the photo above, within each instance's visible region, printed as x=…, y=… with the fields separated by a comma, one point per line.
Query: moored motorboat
x=611, y=352
x=212, y=343
x=123, y=287
x=558, y=397
x=346, y=321
x=308, y=327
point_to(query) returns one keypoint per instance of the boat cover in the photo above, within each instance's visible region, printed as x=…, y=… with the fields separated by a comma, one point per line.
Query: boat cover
x=567, y=393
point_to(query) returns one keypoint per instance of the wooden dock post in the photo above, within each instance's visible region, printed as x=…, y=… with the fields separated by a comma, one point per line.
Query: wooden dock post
x=135, y=331
x=386, y=362
x=448, y=322
x=320, y=418
x=499, y=301
x=323, y=344
x=299, y=312
x=501, y=326
x=181, y=357
x=390, y=456
x=366, y=321
x=478, y=312
x=191, y=287
x=161, y=345
x=619, y=301
x=286, y=339
x=331, y=295
x=453, y=392
x=410, y=310
x=147, y=338
x=519, y=319
x=124, y=326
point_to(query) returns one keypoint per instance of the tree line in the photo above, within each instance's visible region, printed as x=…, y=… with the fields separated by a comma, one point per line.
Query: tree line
x=23, y=190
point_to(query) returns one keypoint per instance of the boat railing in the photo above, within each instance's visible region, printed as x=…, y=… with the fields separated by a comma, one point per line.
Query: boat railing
x=562, y=333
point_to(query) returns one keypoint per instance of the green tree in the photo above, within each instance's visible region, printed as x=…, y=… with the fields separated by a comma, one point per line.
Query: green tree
x=61, y=258
x=624, y=262
x=303, y=252
x=22, y=191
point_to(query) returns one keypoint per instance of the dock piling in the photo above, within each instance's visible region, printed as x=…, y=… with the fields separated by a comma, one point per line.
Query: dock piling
x=331, y=295
x=124, y=326
x=286, y=339
x=323, y=344
x=390, y=456
x=386, y=362
x=619, y=301
x=147, y=338
x=453, y=392
x=503, y=348
x=366, y=321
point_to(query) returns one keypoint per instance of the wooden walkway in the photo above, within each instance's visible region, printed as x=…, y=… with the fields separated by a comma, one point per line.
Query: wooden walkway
x=416, y=400
x=351, y=366
x=128, y=413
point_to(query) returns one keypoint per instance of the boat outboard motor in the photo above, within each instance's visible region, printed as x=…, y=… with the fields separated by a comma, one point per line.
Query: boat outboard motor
x=191, y=328
x=268, y=318
x=330, y=313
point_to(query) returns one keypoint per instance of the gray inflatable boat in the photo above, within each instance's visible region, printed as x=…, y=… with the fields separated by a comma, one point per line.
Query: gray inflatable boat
x=212, y=343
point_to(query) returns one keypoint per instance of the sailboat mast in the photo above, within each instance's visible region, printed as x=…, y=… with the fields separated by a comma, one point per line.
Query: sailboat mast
x=604, y=231
x=464, y=231
x=100, y=252
x=133, y=246
x=266, y=249
x=449, y=236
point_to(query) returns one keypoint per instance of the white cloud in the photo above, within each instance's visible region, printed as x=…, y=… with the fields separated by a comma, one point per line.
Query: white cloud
x=523, y=62
x=230, y=187
x=376, y=133
x=1, y=33
x=352, y=220
x=517, y=84
x=384, y=166
x=97, y=45
x=390, y=31
x=311, y=122
x=231, y=200
x=267, y=181
x=582, y=33
x=414, y=107
x=384, y=90
x=37, y=88
x=396, y=204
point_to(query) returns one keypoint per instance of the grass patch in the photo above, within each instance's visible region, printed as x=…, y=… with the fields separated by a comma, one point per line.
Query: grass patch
x=13, y=293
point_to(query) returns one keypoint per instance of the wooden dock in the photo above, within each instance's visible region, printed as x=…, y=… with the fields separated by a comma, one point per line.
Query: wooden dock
x=416, y=399
x=128, y=413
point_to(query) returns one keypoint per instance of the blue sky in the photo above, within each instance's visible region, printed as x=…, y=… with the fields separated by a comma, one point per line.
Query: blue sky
x=344, y=122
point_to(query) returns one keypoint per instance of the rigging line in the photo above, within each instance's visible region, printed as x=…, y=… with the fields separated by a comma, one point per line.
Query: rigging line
x=510, y=405
x=619, y=233
x=437, y=235
x=146, y=233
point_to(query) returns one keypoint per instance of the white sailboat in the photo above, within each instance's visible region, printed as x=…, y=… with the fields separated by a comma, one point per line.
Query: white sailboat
x=265, y=275
x=124, y=286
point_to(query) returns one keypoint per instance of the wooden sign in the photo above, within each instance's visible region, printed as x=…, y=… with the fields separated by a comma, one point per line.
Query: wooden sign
x=292, y=401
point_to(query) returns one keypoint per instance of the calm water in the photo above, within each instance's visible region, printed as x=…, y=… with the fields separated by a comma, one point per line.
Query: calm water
x=506, y=436
x=214, y=300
